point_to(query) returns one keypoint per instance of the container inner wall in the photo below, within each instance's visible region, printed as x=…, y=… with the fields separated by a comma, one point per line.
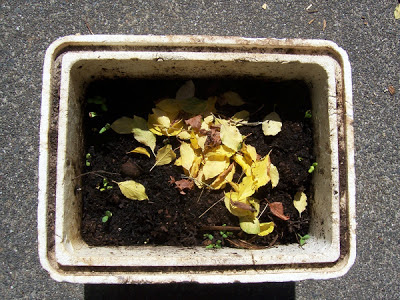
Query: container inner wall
x=79, y=69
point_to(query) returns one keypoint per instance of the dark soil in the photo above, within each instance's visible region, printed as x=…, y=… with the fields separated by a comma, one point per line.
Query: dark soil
x=170, y=218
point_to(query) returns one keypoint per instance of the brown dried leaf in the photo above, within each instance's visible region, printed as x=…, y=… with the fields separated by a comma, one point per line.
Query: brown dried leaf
x=277, y=210
x=194, y=122
x=184, y=184
x=391, y=89
x=244, y=245
x=213, y=138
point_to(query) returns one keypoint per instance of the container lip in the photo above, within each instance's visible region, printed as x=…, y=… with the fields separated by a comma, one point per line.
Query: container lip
x=188, y=41
x=192, y=41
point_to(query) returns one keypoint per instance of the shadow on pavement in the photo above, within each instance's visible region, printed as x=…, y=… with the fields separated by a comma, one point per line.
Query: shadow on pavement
x=191, y=291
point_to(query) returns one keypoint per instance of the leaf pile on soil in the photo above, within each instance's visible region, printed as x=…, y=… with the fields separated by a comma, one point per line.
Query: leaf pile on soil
x=176, y=213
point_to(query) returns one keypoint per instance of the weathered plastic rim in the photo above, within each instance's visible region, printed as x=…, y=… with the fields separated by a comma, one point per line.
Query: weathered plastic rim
x=190, y=41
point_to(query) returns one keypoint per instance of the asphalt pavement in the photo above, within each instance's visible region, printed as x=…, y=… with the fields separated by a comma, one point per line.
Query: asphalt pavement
x=367, y=30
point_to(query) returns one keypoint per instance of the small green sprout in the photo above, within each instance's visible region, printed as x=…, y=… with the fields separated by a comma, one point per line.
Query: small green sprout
x=308, y=114
x=106, y=186
x=210, y=246
x=225, y=234
x=105, y=128
x=88, y=157
x=93, y=114
x=107, y=216
x=303, y=239
x=299, y=158
x=209, y=236
x=312, y=167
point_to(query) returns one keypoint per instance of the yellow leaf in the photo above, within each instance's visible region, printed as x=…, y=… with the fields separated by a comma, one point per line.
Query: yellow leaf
x=300, y=202
x=260, y=171
x=250, y=224
x=230, y=135
x=169, y=106
x=178, y=162
x=233, y=197
x=214, y=166
x=123, y=125
x=208, y=120
x=223, y=178
x=274, y=174
x=194, y=171
x=246, y=188
x=142, y=133
x=241, y=116
x=210, y=106
x=187, y=155
x=272, y=124
x=184, y=135
x=232, y=98
x=193, y=106
x=164, y=156
x=186, y=91
x=133, y=190
x=250, y=153
x=220, y=151
x=140, y=150
x=266, y=228
x=243, y=163
x=397, y=12
x=200, y=179
x=161, y=122
x=201, y=140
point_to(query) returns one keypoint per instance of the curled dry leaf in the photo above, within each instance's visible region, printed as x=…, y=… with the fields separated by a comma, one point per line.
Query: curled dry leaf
x=243, y=206
x=140, y=150
x=133, y=190
x=391, y=88
x=164, y=156
x=272, y=124
x=300, y=202
x=277, y=210
x=184, y=184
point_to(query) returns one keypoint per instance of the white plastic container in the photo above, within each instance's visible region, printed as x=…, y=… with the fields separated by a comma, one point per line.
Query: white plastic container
x=73, y=62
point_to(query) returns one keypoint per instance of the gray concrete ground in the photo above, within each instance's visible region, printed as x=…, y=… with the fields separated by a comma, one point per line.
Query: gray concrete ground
x=366, y=29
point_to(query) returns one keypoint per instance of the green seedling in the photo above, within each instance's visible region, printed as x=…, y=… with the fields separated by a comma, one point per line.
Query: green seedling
x=225, y=234
x=209, y=236
x=107, y=216
x=299, y=158
x=93, y=114
x=106, y=186
x=308, y=114
x=217, y=245
x=312, y=167
x=88, y=157
x=105, y=128
x=303, y=239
